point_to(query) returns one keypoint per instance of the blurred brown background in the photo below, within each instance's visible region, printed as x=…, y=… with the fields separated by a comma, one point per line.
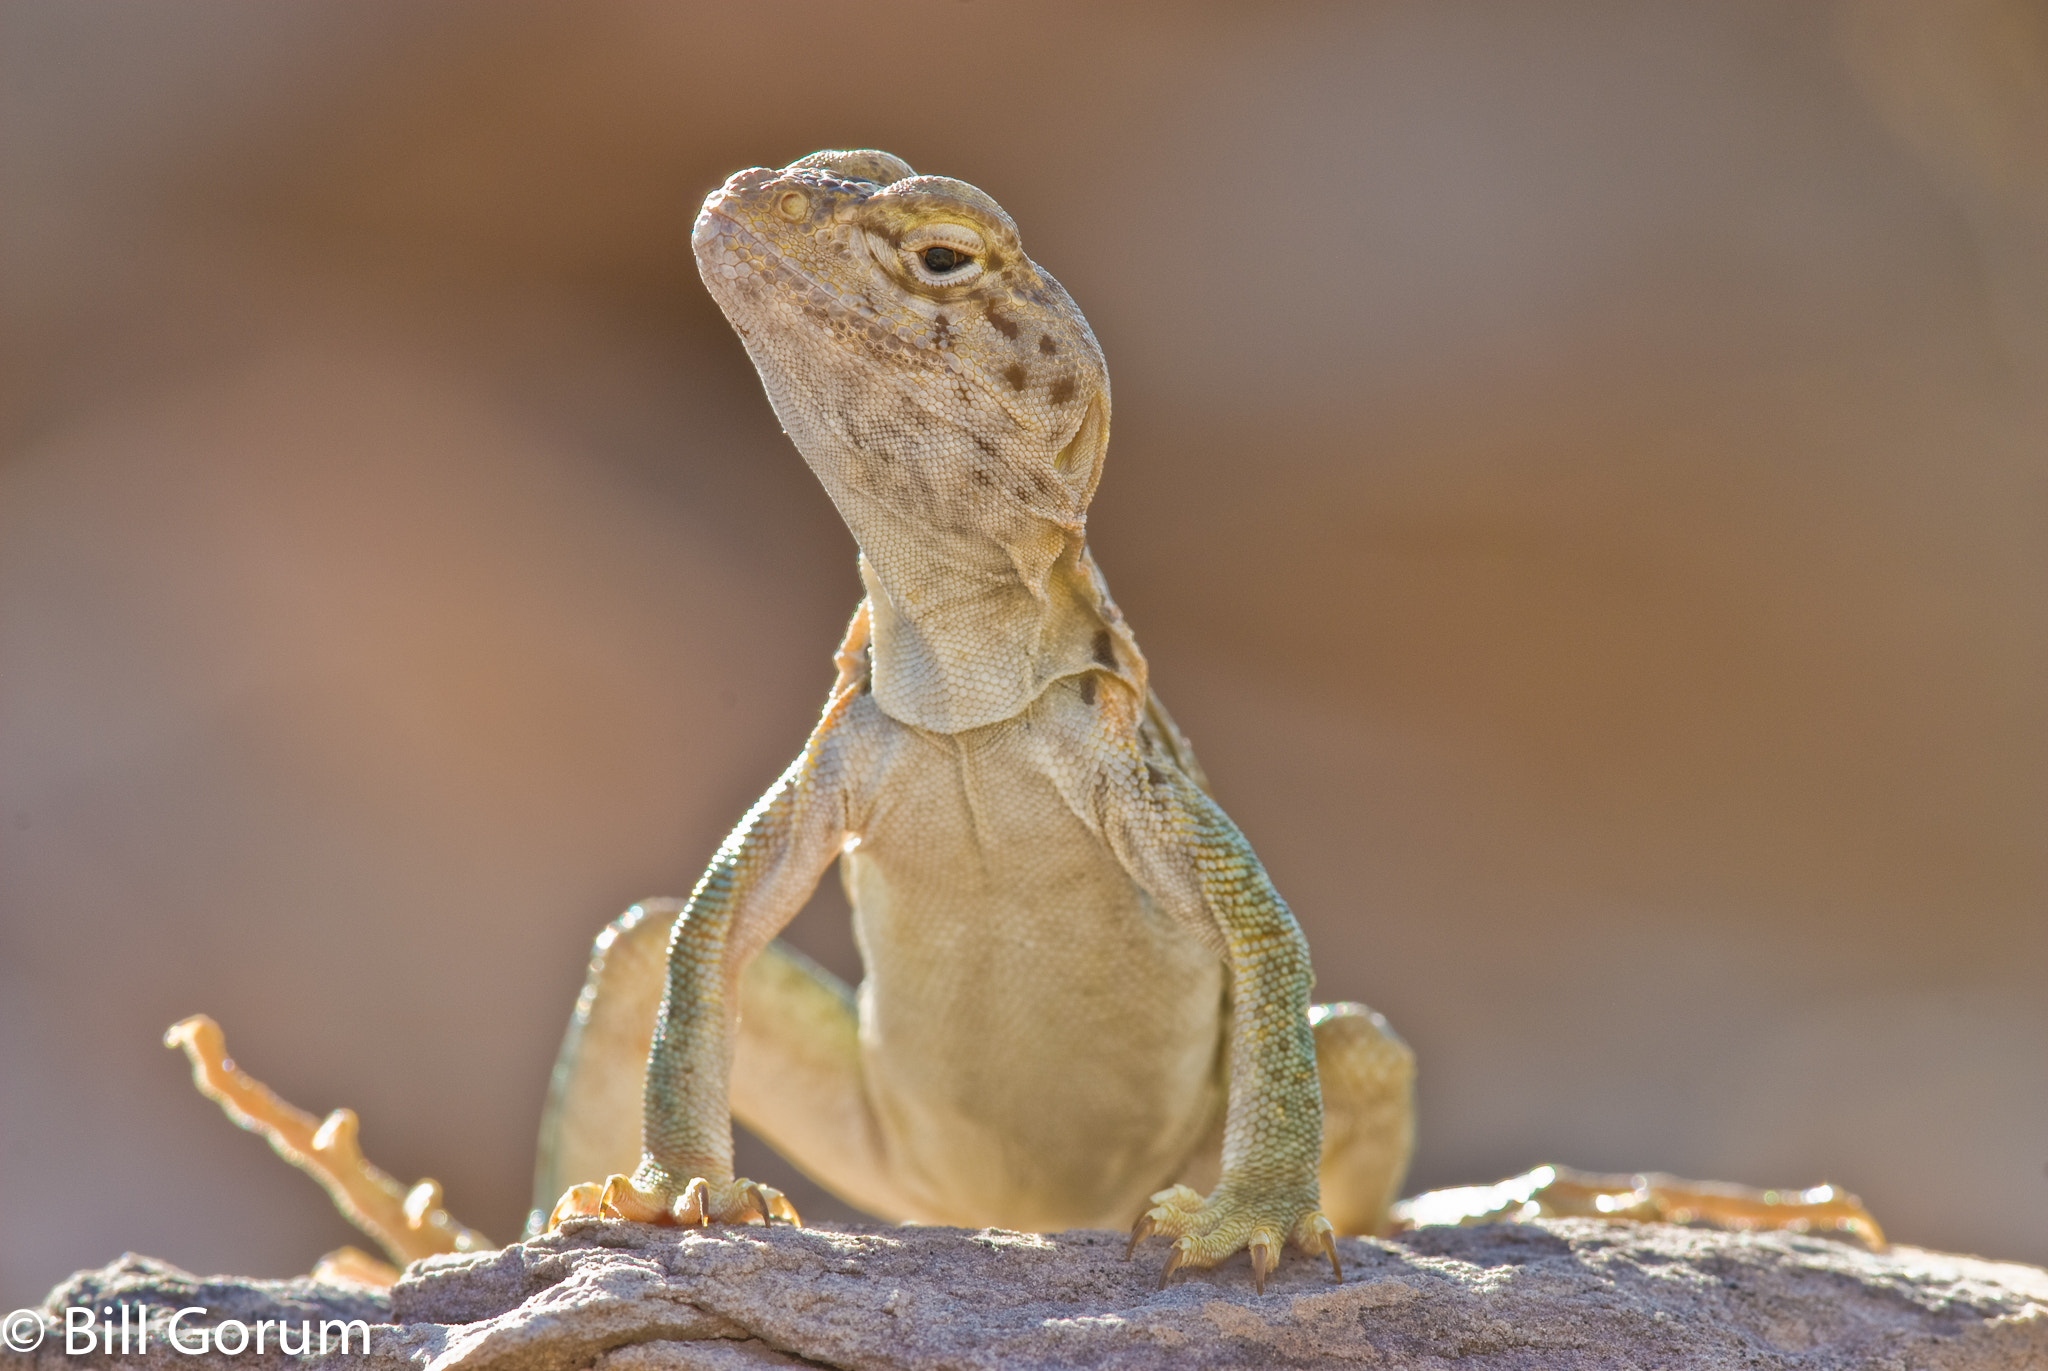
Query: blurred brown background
x=1581, y=475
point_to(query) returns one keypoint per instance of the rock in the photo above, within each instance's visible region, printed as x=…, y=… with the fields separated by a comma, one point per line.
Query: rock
x=1563, y=1293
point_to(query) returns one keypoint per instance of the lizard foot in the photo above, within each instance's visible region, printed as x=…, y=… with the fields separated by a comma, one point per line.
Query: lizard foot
x=1206, y=1230
x=646, y=1198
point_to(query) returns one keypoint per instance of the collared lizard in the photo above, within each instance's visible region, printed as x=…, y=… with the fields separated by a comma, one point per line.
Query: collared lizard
x=1080, y=984
x=1083, y=998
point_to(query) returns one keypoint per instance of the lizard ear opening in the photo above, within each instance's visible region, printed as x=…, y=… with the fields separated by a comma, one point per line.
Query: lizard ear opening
x=1081, y=459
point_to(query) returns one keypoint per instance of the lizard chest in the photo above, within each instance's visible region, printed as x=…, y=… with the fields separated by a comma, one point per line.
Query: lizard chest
x=1021, y=993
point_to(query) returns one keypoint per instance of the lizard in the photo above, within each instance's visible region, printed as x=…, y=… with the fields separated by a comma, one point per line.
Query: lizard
x=1083, y=997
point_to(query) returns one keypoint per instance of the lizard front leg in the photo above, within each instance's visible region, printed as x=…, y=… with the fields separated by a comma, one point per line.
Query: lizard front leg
x=1183, y=848
x=760, y=877
x=796, y=1076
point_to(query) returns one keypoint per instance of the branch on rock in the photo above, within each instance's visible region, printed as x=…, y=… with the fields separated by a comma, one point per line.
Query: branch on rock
x=407, y=1223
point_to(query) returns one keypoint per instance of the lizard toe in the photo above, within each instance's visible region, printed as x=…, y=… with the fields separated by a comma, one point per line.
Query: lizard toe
x=653, y=1197
x=584, y=1201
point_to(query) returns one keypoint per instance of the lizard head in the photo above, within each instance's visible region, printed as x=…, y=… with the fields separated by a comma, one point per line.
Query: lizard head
x=937, y=380
x=953, y=403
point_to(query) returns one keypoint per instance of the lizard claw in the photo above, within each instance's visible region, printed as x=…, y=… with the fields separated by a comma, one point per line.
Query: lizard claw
x=1175, y=1259
x=770, y=1207
x=690, y=1207
x=1140, y=1231
x=1326, y=1236
x=1264, y=1250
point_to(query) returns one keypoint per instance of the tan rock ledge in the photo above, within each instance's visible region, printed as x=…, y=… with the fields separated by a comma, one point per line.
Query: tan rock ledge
x=1565, y=1293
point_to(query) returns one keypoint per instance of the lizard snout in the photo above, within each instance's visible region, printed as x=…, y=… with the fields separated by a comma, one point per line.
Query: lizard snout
x=737, y=186
x=705, y=230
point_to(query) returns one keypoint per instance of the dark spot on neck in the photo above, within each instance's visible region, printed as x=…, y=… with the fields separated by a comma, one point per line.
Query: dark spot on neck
x=1015, y=373
x=1062, y=390
x=1046, y=345
x=1088, y=688
x=1154, y=775
x=984, y=444
x=995, y=316
x=1105, y=649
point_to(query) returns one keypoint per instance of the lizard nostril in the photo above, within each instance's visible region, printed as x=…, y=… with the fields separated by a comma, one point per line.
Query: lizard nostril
x=793, y=206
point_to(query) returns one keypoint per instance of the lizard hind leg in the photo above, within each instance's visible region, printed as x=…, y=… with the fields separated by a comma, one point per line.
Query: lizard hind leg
x=1367, y=1077
x=591, y=1125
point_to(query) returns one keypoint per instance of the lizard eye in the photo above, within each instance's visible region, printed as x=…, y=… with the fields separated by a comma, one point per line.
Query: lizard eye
x=942, y=255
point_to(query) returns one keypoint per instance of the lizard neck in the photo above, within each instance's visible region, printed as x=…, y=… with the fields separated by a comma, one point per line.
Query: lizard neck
x=966, y=632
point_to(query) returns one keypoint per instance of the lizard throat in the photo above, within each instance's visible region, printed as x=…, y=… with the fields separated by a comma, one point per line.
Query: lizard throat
x=967, y=656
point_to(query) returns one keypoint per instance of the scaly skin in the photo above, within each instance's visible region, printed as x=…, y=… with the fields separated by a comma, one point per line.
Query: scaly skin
x=1075, y=964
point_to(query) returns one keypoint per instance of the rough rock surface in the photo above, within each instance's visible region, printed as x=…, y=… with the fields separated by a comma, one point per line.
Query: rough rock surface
x=1564, y=1293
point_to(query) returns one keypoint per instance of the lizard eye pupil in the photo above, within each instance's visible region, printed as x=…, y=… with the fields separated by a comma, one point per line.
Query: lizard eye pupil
x=939, y=261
